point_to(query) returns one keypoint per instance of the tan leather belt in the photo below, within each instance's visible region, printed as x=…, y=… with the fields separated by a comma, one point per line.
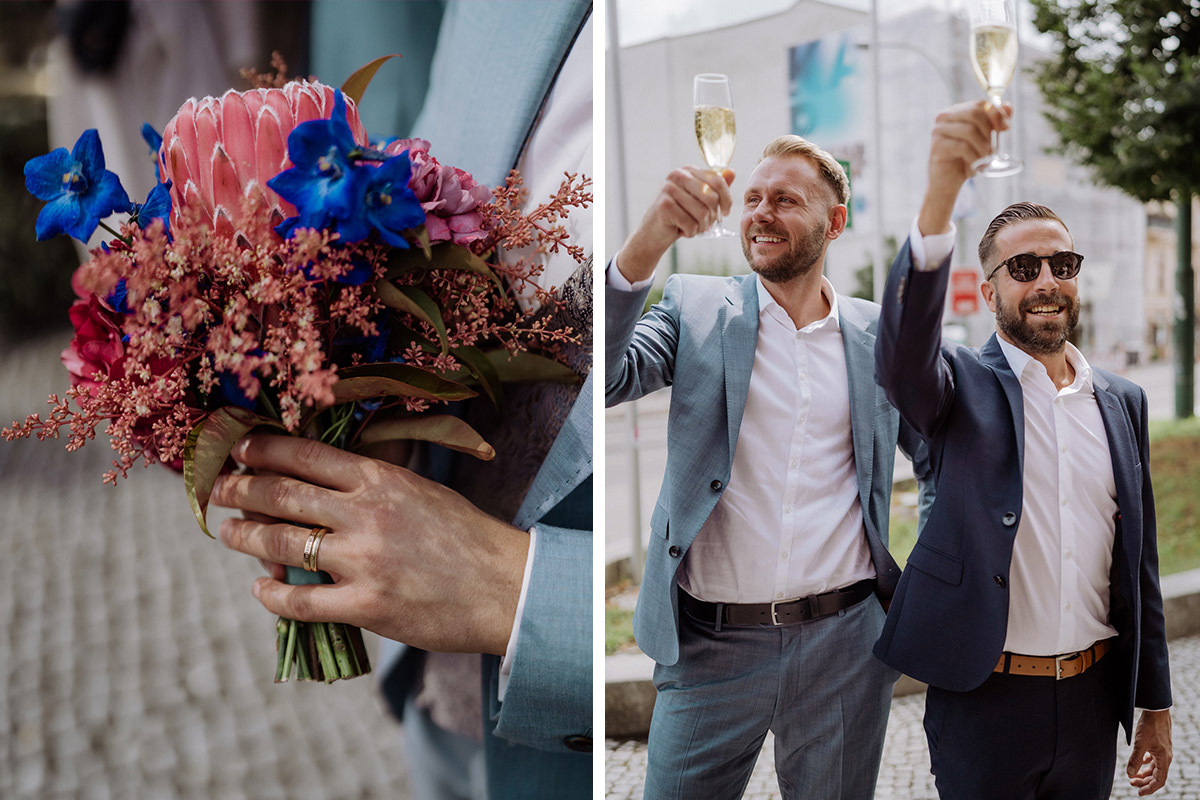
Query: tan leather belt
x=1057, y=667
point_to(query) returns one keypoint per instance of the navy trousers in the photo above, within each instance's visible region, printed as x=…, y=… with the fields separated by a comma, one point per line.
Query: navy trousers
x=1021, y=737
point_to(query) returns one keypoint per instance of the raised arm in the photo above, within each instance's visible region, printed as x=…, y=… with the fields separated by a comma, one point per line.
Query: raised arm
x=908, y=362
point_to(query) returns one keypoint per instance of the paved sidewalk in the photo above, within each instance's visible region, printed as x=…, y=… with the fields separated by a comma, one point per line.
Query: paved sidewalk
x=135, y=662
x=904, y=774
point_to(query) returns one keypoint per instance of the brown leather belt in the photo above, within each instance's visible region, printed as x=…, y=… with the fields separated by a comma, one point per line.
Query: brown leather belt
x=784, y=612
x=1057, y=667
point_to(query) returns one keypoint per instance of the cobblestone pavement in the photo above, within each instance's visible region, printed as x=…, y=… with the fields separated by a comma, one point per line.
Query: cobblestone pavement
x=135, y=662
x=904, y=774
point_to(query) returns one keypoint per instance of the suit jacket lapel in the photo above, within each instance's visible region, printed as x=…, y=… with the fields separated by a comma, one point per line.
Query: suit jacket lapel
x=568, y=463
x=991, y=355
x=739, y=336
x=859, y=346
x=1123, y=449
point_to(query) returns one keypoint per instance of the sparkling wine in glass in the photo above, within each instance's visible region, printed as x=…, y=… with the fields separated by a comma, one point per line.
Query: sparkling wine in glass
x=994, y=58
x=715, y=130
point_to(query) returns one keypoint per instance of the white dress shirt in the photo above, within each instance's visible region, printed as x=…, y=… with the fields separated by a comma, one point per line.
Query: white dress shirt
x=1059, y=580
x=1059, y=577
x=789, y=523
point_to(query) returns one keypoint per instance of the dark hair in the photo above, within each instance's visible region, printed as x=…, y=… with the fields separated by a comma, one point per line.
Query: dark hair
x=1017, y=212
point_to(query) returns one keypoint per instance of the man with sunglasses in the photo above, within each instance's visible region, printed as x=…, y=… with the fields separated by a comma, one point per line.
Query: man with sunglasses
x=1030, y=603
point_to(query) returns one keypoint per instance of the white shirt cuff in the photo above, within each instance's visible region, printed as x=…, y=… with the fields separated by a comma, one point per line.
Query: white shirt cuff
x=510, y=652
x=616, y=280
x=928, y=252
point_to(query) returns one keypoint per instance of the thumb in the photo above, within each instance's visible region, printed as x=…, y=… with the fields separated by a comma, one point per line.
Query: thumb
x=728, y=175
x=1135, y=760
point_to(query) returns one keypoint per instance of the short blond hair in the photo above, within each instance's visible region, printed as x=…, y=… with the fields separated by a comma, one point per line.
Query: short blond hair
x=830, y=168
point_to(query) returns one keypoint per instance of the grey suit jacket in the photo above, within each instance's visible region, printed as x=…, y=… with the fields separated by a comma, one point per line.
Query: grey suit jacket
x=700, y=339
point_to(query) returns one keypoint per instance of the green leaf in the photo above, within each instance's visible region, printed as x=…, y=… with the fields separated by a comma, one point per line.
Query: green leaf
x=412, y=300
x=443, y=429
x=526, y=366
x=477, y=364
x=208, y=447
x=356, y=84
x=442, y=256
x=395, y=380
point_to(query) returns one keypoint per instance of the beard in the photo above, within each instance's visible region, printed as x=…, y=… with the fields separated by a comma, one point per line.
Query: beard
x=802, y=256
x=1037, y=338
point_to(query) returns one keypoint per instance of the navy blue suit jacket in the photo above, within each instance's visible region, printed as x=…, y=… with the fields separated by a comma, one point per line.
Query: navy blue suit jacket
x=948, y=620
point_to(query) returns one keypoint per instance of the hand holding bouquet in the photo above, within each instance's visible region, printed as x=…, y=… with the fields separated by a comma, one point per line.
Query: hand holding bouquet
x=286, y=274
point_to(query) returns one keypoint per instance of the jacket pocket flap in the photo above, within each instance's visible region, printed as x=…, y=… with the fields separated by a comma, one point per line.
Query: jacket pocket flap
x=939, y=565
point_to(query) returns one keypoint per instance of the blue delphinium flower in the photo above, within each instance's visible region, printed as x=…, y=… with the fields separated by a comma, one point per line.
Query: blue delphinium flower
x=154, y=141
x=157, y=206
x=78, y=189
x=391, y=207
x=325, y=185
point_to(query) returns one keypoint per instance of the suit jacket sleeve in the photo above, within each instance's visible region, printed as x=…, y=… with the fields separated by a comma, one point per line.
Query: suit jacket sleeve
x=908, y=360
x=549, y=696
x=640, y=354
x=1153, y=689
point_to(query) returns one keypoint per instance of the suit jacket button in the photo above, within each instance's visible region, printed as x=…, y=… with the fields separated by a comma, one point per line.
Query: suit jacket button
x=716, y=486
x=580, y=744
x=674, y=551
x=1009, y=519
x=999, y=581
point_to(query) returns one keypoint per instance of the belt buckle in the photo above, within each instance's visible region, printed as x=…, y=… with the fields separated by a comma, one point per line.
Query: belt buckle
x=774, y=613
x=1058, y=662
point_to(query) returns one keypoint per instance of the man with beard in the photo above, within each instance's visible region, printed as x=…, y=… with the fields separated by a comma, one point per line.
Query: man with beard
x=767, y=571
x=1030, y=603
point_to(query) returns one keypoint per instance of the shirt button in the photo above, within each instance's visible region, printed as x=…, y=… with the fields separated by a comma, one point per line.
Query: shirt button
x=779, y=595
x=1068, y=606
x=1009, y=519
x=787, y=509
x=1063, y=449
x=795, y=463
x=1064, y=501
x=783, y=555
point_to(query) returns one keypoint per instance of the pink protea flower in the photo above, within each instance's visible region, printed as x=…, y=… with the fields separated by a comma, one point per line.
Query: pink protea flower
x=219, y=151
x=452, y=200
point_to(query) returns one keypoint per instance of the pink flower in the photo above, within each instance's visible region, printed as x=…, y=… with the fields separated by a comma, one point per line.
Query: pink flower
x=219, y=151
x=97, y=346
x=451, y=198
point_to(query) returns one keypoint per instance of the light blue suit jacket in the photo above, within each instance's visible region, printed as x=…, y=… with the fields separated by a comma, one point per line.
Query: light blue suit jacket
x=700, y=339
x=495, y=63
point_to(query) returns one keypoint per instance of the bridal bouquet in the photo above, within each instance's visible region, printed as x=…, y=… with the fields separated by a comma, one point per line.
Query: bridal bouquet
x=287, y=273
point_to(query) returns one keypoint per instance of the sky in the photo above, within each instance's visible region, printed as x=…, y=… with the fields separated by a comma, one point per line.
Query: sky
x=642, y=21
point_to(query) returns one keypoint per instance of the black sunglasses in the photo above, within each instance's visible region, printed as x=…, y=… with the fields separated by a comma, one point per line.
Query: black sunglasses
x=1024, y=267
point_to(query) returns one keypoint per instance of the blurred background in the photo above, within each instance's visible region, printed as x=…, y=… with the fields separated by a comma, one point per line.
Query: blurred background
x=1107, y=109
x=135, y=663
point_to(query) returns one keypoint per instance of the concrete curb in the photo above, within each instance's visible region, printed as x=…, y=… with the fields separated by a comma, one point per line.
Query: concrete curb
x=629, y=690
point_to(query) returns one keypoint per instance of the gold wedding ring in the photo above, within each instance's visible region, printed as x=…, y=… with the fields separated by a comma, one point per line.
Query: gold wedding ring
x=311, y=546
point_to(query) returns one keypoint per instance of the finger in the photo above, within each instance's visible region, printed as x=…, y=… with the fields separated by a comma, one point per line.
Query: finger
x=274, y=569
x=279, y=543
x=718, y=185
x=309, y=460
x=276, y=497
x=308, y=603
x=1136, y=758
x=689, y=212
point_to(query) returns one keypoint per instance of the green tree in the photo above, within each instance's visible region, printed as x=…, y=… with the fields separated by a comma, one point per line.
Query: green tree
x=1123, y=92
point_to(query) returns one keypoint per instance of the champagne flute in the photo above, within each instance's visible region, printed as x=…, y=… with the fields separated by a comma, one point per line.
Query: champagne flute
x=715, y=131
x=994, y=58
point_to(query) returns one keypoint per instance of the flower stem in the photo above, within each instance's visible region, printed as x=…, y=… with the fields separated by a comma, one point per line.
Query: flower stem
x=104, y=225
x=289, y=650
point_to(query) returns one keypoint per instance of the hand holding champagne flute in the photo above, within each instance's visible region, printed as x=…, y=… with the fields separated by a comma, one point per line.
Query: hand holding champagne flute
x=994, y=58
x=715, y=130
